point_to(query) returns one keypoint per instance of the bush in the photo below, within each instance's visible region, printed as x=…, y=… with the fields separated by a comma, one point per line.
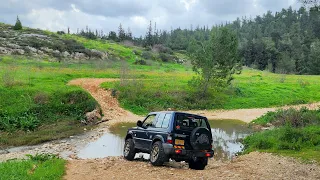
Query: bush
x=140, y=62
x=166, y=57
x=8, y=79
x=41, y=157
x=159, y=48
x=41, y=98
x=147, y=55
x=61, y=32
x=291, y=117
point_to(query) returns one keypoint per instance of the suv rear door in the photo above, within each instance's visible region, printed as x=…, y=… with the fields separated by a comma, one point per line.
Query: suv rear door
x=184, y=124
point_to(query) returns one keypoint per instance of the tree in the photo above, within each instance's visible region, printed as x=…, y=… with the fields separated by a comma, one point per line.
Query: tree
x=314, y=63
x=129, y=34
x=149, y=36
x=314, y=3
x=216, y=60
x=18, y=25
x=121, y=34
x=113, y=36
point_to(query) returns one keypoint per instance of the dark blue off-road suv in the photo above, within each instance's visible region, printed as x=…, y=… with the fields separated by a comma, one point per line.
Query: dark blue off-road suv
x=175, y=135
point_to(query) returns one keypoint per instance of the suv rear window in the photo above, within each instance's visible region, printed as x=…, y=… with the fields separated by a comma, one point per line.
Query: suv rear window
x=189, y=122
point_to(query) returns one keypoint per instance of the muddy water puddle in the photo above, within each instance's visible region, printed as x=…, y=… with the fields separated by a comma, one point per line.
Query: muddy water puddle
x=227, y=136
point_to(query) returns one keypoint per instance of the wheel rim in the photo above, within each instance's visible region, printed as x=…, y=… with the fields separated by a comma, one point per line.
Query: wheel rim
x=154, y=153
x=126, y=149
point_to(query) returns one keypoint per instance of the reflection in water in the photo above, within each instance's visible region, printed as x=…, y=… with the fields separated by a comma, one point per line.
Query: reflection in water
x=108, y=145
x=226, y=140
x=227, y=136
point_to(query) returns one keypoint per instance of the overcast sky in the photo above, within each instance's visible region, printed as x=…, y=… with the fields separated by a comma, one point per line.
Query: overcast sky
x=106, y=15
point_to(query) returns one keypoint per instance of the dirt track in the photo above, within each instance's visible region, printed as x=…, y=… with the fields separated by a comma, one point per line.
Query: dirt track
x=252, y=166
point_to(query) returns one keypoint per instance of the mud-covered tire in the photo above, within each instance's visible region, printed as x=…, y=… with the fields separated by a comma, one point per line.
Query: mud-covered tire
x=199, y=164
x=157, y=154
x=129, y=151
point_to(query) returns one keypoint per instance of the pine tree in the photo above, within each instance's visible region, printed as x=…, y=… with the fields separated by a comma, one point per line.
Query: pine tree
x=18, y=25
x=122, y=34
x=149, y=36
x=129, y=34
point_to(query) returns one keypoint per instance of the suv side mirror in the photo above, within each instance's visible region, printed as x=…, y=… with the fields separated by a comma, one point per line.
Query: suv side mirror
x=139, y=123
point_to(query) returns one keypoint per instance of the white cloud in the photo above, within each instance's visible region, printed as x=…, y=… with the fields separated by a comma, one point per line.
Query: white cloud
x=74, y=8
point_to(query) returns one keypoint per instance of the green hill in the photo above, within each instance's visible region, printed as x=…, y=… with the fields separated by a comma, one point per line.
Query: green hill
x=37, y=105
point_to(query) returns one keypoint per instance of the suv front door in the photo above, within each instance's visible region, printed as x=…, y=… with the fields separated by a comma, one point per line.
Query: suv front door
x=142, y=139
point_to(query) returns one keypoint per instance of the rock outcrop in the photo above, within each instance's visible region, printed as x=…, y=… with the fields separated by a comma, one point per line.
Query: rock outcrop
x=34, y=42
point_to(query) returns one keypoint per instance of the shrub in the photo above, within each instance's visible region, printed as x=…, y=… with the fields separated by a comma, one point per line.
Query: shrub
x=159, y=48
x=8, y=79
x=61, y=32
x=147, y=55
x=140, y=62
x=41, y=157
x=18, y=25
x=166, y=57
x=292, y=117
x=41, y=98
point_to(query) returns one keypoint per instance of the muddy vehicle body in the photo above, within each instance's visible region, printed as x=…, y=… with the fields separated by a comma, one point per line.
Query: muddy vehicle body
x=176, y=135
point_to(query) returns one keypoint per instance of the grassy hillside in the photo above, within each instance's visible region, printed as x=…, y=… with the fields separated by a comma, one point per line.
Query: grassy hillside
x=37, y=105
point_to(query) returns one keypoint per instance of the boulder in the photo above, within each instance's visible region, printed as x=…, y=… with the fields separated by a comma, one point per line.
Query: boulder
x=66, y=54
x=93, y=116
x=47, y=50
x=99, y=54
x=31, y=49
x=18, y=51
x=3, y=50
x=13, y=46
x=35, y=35
x=40, y=52
x=79, y=56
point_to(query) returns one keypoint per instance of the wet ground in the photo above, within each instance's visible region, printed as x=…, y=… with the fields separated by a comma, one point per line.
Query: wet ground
x=227, y=136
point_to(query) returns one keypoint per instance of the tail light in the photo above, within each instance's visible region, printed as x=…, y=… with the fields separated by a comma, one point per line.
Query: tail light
x=178, y=151
x=208, y=154
x=169, y=139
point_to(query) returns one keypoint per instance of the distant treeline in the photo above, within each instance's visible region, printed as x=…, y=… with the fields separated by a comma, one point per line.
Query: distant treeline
x=281, y=42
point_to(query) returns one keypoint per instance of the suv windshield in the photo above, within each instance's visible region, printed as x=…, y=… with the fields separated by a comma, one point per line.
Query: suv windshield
x=189, y=122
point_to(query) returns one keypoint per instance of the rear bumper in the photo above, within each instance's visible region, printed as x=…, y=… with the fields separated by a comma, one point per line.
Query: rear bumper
x=169, y=150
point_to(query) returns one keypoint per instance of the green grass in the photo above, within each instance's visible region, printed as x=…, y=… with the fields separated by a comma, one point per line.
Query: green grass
x=30, y=96
x=251, y=89
x=296, y=133
x=33, y=169
x=302, y=143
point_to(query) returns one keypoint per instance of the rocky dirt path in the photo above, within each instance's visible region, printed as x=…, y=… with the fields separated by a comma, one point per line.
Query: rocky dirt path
x=252, y=166
x=110, y=106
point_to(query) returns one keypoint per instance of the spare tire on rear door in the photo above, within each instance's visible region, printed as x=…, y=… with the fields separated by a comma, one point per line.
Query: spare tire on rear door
x=200, y=138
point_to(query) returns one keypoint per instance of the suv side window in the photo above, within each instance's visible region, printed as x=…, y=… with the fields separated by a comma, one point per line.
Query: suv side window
x=166, y=121
x=150, y=120
x=160, y=120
